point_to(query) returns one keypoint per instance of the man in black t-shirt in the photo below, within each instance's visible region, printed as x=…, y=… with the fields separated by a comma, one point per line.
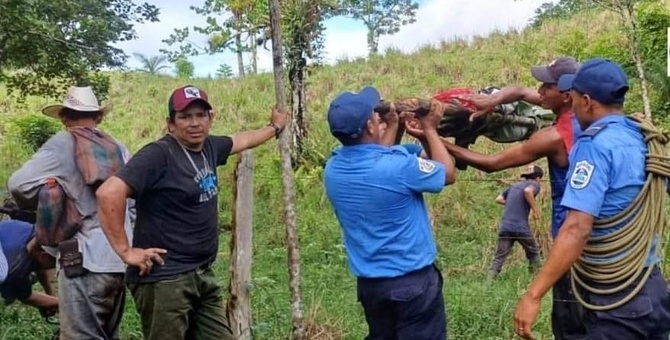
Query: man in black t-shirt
x=175, y=185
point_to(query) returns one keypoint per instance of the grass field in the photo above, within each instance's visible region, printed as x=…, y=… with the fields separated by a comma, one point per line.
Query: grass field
x=465, y=215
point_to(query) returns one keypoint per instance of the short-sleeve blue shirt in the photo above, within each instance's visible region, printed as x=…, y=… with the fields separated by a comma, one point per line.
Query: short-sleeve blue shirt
x=14, y=236
x=376, y=193
x=607, y=171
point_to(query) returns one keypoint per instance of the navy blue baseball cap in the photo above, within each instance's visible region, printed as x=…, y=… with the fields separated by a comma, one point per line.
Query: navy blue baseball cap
x=349, y=112
x=601, y=79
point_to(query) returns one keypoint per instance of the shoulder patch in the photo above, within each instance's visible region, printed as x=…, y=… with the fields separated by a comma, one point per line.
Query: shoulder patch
x=593, y=130
x=426, y=166
x=581, y=175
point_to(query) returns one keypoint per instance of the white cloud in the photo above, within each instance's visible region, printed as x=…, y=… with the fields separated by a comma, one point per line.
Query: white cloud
x=345, y=38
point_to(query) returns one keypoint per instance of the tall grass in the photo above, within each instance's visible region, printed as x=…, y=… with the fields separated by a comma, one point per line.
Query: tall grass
x=465, y=215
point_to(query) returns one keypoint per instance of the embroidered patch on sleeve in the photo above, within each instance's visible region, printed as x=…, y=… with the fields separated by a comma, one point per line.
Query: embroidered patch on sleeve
x=581, y=175
x=426, y=166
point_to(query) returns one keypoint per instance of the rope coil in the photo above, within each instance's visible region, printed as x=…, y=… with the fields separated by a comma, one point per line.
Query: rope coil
x=620, y=256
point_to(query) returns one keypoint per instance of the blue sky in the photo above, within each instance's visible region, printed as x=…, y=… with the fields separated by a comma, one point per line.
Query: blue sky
x=437, y=20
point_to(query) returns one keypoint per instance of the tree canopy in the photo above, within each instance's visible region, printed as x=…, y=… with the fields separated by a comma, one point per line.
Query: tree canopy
x=46, y=46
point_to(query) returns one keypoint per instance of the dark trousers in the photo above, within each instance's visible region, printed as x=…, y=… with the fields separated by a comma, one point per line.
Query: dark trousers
x=645, y=317
x=407, y=307
x=506, y=240
x=567, y=314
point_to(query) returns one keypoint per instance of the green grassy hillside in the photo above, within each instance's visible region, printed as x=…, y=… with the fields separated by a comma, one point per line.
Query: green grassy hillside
x=465, y=215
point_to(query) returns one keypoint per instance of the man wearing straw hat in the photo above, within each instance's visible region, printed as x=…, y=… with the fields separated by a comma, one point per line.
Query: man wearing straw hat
x=90, y=276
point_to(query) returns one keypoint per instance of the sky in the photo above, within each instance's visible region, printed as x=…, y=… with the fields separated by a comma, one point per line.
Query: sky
x=436, y=21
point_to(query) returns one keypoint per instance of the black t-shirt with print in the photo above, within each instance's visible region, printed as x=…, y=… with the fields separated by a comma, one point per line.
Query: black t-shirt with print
x=176, y=205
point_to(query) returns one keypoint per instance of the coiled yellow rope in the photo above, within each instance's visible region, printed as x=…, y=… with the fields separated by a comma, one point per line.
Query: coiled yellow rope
x=633, y=242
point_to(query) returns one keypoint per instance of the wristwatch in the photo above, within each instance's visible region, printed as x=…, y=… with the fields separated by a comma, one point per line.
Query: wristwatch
x=277, y=129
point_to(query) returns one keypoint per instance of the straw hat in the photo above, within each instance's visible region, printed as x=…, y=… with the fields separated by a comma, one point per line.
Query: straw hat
x=79, y=99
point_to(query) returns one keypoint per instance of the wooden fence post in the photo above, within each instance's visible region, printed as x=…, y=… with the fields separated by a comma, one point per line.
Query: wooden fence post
x=241, y=248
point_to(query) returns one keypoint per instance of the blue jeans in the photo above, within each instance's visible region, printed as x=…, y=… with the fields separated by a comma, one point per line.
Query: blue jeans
x=407, y=307
x=90, y=306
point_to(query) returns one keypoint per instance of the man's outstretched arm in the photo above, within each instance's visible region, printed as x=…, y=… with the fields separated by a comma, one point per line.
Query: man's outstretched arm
x=543, y=143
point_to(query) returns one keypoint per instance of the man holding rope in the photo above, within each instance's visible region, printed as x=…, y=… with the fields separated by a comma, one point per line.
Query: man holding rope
x=616, y=215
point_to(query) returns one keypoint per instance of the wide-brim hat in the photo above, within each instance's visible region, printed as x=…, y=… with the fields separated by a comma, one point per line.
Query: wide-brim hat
x=79, y=99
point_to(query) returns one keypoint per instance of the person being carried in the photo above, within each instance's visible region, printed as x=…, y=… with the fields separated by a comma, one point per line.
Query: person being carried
x=176, y=240
x=20, y=259
x=609, y=173
x=553, y=143
x=376, y=191
x=519, y=201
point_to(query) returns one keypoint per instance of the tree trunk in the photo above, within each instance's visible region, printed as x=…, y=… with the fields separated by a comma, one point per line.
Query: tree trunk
x=299, y=130
x=241, y=248
x=238, y=46
x=637, y=57
x=372, y=41
x=254, y=54
x=298, y=329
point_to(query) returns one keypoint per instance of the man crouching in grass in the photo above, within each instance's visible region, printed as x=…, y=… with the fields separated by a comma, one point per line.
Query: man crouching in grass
x=376, y=192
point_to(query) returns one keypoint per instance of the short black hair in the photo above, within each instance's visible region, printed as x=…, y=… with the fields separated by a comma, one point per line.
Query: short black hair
x=72, y=114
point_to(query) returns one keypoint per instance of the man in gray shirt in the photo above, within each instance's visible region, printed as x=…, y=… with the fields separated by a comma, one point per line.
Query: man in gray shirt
x=519, y=200
x=91, y=298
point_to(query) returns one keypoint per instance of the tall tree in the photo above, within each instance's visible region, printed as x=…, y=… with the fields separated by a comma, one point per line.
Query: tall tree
x=302, y=27
x=297, y=316
x=222, y=36
x=381, y=17
x=153, y=64
x=46, y=46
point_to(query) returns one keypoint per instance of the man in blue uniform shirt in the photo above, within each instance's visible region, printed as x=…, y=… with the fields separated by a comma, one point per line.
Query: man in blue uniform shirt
x=376, y=193
x=607, y=172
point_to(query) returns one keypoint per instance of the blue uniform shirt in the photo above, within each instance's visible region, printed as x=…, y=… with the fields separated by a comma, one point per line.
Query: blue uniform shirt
x=376, y=193
x=607, y=170
x=14, y=236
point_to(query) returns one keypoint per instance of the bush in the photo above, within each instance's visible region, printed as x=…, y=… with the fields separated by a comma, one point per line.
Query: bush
x=32, y=130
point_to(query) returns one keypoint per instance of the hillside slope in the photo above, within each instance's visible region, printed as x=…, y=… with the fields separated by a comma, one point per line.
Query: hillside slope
x=465, y=215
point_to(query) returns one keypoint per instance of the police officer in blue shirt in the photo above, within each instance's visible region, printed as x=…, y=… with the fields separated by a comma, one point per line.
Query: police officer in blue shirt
x=376, y=193
x=607, y=172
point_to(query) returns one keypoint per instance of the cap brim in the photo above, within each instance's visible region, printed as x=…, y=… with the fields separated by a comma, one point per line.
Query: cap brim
x=565, y=82
x=541, y=73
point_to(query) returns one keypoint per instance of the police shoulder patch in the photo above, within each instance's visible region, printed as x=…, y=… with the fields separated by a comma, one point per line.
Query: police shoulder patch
x=426, y=166
x=581, y=175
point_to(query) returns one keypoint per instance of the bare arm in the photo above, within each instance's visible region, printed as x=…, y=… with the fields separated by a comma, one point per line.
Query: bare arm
x=41, y=300
x=436, y=151
x=111, y=198
x=543, y=143
x=500, y=199
x=392, y=130
x=511, y=94
x=529, y=194
x=251, y=139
